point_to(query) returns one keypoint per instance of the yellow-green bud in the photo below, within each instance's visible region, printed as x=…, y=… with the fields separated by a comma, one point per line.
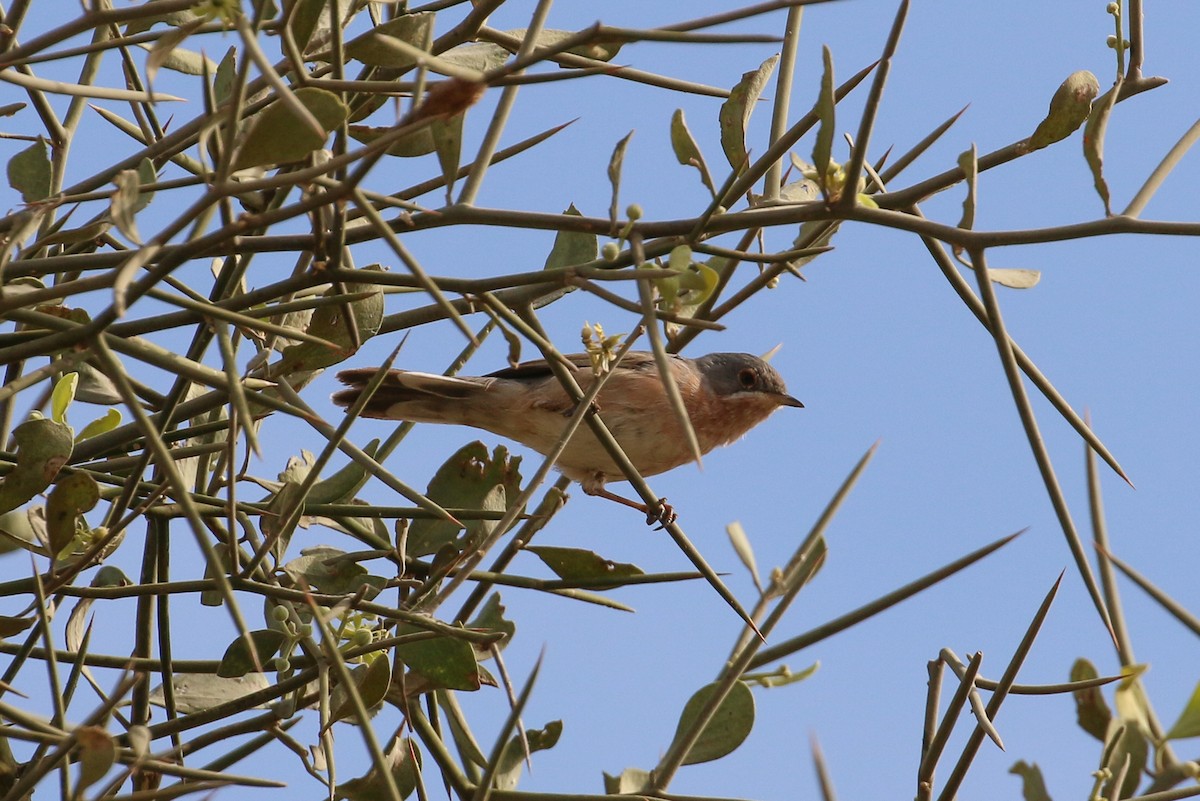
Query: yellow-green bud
x=634, y=211
x=610, y=251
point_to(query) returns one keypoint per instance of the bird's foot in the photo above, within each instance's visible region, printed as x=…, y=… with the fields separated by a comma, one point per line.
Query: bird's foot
x=663, y=514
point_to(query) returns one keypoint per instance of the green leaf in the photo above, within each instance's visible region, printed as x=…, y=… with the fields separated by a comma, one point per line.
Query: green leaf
x=321, y=569
x=101, y=425
x=780, y=677
x=238, y=661
x=615, y=163
x=196, y=692
x=598, y=49
x=1126, y=744
x=18, y=532
x=735, y=112
x=687, y=152
x=727, y=729
x=329, y=323
x=75, y=236
x=1069, y=108
x=372, y=682
x=282, y=516
x=827, y=116
x=166, y=53
x=475, y=56
x=1127, y=749
x=375, y=47
x=512, y=756
x=304, y=19
x=446, y=662
x=277, y=136
x=110, y=576
x=224, y=77
x=470, y=479
x=572, y=247
x=631, y=781
x=412, y=145
x=71, y=497
x=491, y=618
x=43, y=447
x=146, y=175
x=29, y=172
x=1033, y=788
x=447, y=139
x=1188, y=724
x=582, y=566
x=403, y=762
x=62, y=395
x=343, y=485
x=171, y=18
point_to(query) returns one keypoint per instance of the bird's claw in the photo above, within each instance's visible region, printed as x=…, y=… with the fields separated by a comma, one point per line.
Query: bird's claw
x=663, y=514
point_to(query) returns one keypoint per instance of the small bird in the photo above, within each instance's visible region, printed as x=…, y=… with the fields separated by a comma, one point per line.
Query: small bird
x=725, y=394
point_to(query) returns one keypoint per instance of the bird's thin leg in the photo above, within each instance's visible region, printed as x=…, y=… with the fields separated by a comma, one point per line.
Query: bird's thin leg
x=663, y=515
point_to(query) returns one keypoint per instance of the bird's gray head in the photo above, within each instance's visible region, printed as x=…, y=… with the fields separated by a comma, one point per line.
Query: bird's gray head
x=732, y=374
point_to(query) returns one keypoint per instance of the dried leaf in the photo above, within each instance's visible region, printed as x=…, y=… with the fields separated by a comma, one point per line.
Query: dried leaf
x=735, y=112
x=1069, y=108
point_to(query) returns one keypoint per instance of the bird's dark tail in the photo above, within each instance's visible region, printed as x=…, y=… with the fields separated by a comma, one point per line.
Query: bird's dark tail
x=405, y=395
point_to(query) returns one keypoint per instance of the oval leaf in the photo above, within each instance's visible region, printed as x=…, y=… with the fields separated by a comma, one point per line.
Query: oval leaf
x=467, y=480
x=727, y=729
x=238, y=661
x=196, y=692
x=375, y=48
x=329, y=323
x=446, y=662
x=583, y=566
x=277, y=136
x=70, y=498
x=29, y=172
x=43, y=447
x=372, y=682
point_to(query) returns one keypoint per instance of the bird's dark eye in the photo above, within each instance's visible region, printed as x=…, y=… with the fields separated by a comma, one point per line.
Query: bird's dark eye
x=747, y=378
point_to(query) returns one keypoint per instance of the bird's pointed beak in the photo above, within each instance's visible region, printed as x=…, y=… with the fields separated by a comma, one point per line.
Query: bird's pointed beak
x=788, y=400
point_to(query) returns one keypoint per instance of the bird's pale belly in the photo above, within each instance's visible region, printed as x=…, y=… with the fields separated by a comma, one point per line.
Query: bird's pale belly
x=584, y=456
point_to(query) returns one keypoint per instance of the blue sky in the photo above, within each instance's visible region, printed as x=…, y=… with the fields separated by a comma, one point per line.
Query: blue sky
x=878, y=348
